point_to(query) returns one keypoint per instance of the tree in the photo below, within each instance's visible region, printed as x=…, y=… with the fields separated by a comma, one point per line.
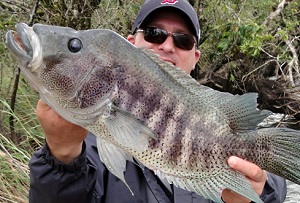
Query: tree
x=252, y=46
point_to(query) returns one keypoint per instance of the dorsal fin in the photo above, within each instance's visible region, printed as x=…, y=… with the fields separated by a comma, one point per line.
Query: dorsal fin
x=240, y=110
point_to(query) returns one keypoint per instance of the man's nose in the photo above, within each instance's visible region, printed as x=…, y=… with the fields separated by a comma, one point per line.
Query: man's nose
x=167, y=45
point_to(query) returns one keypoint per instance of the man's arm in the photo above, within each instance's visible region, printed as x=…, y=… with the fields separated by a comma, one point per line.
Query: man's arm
x=53, y=181
x=275, y=189
x=63, y=138
x=61, y=171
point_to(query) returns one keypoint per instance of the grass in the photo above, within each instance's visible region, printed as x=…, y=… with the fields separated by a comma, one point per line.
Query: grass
x=14, y=179
x=14, y=157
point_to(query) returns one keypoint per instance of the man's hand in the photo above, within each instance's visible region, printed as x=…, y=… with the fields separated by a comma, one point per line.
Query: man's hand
x=63, y=138
x=252, y=172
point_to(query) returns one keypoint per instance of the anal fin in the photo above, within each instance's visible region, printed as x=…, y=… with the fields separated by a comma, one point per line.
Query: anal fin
x=211, y=186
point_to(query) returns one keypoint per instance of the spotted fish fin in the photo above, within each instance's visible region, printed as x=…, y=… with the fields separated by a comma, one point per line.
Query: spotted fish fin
x=114, y=159
x=212, y=187
x=127, y=130
x=239, y=110
x=177, y=75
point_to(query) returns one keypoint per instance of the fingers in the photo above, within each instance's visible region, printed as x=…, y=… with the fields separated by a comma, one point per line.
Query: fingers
x=45, y=113
x=256, y=176
x=42, y=105
x=229, y=196
x=250, y=170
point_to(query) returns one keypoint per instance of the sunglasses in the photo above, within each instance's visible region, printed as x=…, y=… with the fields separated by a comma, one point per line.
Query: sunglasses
x=159, y=36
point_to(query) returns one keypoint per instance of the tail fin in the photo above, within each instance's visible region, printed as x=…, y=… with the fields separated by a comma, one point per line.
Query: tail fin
x=284, y=152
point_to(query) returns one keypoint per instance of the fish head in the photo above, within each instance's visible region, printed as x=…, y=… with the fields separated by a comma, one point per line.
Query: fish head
x=67, y=67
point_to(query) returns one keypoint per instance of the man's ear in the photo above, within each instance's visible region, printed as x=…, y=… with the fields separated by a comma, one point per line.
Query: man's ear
x=131, y=39
x=197, y=55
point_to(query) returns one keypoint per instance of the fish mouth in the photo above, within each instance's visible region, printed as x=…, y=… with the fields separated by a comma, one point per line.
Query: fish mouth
x=25, y=46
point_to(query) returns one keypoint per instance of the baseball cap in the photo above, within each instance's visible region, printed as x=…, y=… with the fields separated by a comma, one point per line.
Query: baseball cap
x=151, y=5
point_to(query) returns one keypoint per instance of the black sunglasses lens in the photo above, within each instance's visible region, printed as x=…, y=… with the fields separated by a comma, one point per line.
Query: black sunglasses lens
x=183, y=41
x=155, y=35
x=159, y=36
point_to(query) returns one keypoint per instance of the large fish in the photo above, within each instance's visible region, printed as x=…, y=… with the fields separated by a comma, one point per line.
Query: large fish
x=143, y=108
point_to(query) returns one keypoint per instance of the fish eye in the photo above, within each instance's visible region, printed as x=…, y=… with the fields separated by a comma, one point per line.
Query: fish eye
x=74, y=45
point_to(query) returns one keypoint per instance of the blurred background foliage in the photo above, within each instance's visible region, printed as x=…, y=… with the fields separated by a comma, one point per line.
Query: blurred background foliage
x=246, y=46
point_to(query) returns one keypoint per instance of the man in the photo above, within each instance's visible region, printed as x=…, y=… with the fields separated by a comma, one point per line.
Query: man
x=68, y=169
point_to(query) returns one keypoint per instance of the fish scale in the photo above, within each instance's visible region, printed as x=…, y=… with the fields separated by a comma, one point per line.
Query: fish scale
x=171, y=149
x=143, y=108
x=172, y=146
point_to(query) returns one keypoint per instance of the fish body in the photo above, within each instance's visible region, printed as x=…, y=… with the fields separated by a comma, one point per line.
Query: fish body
x=143, y=108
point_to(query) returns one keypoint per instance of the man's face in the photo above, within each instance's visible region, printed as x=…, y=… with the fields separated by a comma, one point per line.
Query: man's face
x=173, y=23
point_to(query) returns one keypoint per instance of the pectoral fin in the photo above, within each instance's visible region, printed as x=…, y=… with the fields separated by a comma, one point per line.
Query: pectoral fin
x=127, y=130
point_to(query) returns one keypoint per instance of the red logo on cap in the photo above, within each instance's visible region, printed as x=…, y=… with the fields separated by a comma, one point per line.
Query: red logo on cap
x=169, y=2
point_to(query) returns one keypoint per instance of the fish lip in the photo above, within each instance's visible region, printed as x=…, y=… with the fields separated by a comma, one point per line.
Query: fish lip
x=25, y=45
x=14, y=44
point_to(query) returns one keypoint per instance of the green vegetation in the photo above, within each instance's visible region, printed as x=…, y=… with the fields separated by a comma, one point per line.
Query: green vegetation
x=243, y=44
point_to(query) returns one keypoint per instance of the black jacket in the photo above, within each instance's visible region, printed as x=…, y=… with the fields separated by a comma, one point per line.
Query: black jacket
x=87, y=180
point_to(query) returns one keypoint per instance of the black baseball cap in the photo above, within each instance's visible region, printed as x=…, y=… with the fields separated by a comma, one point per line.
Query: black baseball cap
x=183, y=5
